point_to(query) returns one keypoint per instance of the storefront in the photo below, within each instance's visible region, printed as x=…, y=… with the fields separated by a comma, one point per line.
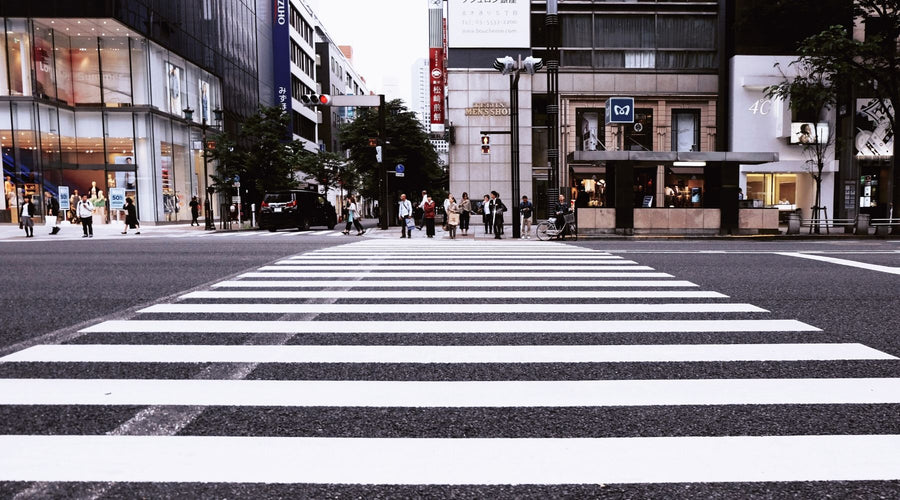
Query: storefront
x=87, y=106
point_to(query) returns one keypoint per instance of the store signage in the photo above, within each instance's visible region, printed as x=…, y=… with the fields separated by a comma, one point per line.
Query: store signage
x=116, y=198
x=281, y=36
x=488, y=24
x=436, y=62
x=64, y=198
x=873, y=128
x=809, y=133
x=620, y=110
x=488, y=109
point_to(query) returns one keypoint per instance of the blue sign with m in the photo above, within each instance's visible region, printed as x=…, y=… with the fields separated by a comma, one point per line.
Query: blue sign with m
x=620, y=110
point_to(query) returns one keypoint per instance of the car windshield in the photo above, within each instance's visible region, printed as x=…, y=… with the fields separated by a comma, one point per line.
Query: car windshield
x=278, y=197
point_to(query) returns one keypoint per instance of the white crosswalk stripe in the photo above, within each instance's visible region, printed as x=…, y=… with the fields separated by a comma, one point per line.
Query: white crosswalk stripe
x=373, y=328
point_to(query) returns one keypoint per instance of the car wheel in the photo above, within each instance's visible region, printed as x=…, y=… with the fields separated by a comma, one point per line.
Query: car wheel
x=304, y=224
x=273, y=229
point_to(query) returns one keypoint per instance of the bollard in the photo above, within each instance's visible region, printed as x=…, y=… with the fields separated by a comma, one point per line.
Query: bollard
x=253, y=215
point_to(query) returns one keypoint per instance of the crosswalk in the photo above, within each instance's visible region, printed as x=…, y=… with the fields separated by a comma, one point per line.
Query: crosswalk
x=482, y=363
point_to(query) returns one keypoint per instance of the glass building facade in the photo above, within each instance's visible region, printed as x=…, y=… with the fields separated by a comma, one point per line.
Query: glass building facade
x=90, y=106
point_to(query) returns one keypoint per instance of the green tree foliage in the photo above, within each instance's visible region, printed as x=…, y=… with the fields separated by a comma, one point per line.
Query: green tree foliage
x=262, y=154
x=872, y=65
x=406, y=144
x=328, y=169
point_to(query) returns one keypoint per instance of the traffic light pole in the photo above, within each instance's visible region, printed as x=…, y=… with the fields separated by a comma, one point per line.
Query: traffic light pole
x=383, y=209
x=514, y=150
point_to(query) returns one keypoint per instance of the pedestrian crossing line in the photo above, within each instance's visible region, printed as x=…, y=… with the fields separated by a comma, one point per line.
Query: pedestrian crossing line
x=413, y=294
x=449, y=461
x=450, y=394
x=443, y=260
x=458, y=274
x=443, y=308
x=498, y=266
x=460, y=284
x=480, y=259
x=654, y=353
x=594, y=326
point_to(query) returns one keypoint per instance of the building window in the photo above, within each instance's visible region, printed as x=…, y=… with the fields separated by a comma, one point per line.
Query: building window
x=775, y=190
x=639, y=135
x=686, y=130
x=590, y=132
x=644, y=187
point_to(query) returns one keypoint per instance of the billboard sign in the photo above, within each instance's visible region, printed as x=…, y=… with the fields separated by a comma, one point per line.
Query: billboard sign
x=116, y=198
x=620, y=110
x=809, y=133
x=281, y=55
x=483, y=24
x=436, y=86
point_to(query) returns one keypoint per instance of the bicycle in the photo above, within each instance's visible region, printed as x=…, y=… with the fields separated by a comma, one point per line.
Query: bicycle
x=547, y=229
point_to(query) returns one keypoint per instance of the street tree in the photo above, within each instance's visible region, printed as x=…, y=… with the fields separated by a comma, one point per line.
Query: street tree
x=263, y=155
x=872, y=65
x=326, y=168
x=406, y=143
x=810, y=93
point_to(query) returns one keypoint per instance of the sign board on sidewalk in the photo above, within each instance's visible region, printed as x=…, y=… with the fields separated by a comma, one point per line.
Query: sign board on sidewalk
x=64, y=198
x=116, y=198
x=620, y=110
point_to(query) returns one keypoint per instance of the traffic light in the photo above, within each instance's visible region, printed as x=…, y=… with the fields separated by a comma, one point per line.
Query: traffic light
x=316, y=99
x=485, y=144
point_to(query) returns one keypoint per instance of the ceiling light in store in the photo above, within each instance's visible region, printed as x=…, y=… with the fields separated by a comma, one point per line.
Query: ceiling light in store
x=689, y=164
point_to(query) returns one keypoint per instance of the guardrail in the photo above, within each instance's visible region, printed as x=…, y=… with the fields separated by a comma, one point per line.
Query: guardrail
x=883, y=226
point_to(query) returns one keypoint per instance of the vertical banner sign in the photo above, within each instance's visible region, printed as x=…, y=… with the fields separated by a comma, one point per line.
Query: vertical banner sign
x=64, y=198
x=281, y=55
x=116, y=198
x=436, y=65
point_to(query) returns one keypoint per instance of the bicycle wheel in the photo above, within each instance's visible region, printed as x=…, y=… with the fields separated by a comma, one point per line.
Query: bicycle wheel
x=573, y=231
x=542, y=231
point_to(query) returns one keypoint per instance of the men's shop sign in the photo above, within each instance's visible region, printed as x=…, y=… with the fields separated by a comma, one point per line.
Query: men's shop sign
x=488, y=109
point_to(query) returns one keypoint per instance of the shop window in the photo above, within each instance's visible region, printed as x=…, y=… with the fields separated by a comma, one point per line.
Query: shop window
x=86, y=71
x=685, y=130
x=590, y=129
x=89, y=140
x=62, y=53
x=140, y=71
x=644, y=187
x=18, y=50
x=685, y=187
x=639, y=135
x=114, y=54
x=592, y=192
x=44, y=71
x=772, y=190
x=4, y=76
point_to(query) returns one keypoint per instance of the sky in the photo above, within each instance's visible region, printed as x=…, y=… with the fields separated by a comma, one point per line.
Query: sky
x=387, y=37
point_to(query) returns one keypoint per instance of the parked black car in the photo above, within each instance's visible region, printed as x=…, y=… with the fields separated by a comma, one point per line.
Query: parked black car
x=296, y=208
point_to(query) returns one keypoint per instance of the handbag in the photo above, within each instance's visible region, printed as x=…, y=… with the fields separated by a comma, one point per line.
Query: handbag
x=410, y=223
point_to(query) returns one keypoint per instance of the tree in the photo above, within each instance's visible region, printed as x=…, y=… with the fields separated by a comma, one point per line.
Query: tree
x=326, y=168
x=873, y=63
x=810, y=93
x=263, y=155
x=406, y=144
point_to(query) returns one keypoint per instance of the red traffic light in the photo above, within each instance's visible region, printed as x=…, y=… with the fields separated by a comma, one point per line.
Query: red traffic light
x=324, y=99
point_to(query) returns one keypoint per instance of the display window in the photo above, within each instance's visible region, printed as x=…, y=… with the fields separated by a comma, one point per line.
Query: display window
x=773, y=190
x=684, y=187
x=591, y=192
x=114, y=56
x=590, y=129
x=86, y=71
x=44, y=63
x=644, y=187
x=639, y=135
x=18, y=57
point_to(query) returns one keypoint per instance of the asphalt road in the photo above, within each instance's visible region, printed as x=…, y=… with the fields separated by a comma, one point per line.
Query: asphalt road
x=56, y=289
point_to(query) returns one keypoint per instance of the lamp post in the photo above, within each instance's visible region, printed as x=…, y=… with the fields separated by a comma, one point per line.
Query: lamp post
x=513, y=67
x=208, y=223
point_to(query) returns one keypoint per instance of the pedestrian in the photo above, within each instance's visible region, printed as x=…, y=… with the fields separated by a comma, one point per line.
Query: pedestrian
x=353, y=217
x=195, y=210
x=74, y=198
x=26, y=212
x=446, y=209
x=420, y=211
x=465, y=211
x=52, y=211
x=452, y=216
x=497, y=209
x=486, y=215
x=526, y=208
x=405, y=213
x=85, y=212
x=131, y=220
x=428, y=213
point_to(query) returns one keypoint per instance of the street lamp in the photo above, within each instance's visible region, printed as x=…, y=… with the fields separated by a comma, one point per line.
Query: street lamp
x=209, y=225
x=513, y=67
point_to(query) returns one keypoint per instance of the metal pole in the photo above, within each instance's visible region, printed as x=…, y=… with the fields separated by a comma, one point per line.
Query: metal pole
x=514, y=148
x=383, y=208
x=551, y=23
x=208, y=224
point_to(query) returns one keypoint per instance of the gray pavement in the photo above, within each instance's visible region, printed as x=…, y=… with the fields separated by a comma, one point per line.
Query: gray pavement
x=846, y=291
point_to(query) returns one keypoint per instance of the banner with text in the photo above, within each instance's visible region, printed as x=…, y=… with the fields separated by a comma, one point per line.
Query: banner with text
x=436, y=67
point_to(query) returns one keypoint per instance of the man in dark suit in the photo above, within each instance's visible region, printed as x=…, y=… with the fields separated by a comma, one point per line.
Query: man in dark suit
x=497, y=209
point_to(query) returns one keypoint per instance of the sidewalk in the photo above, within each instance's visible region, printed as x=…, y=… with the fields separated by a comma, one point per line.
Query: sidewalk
x=11, y=232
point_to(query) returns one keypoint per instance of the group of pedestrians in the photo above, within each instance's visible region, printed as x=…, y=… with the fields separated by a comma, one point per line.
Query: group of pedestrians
x=353, y=217
x=457, y=214
x=84, y=213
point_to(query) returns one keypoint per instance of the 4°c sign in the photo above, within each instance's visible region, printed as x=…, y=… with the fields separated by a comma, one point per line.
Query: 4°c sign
x=620, y=110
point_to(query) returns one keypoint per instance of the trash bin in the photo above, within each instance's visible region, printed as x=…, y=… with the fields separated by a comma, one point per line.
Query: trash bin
x=862, y=224
x=793, y=223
